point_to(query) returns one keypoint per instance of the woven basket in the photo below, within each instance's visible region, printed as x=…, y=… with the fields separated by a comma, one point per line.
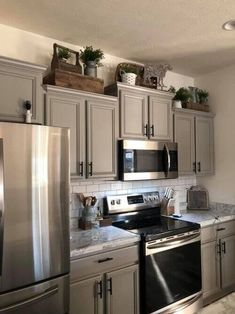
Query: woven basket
x=129, y=78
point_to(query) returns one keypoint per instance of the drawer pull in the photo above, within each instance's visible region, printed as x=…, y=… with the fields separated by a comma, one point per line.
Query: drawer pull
x=105, y=260
x=220, y=229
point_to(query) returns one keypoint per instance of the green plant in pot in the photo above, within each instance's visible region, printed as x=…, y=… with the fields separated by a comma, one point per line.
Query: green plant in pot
x=128, y=74
x=182, y=96
x=91, y=58
x=63, y=54
x=202, y=96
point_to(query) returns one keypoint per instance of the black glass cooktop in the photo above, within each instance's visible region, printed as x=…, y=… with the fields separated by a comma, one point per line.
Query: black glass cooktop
x=154, y=227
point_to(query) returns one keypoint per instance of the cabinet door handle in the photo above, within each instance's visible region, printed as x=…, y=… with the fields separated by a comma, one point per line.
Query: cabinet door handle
x=110, y=289
x=146, y=130
x=224, y=247
x=100, y=289
x=152, y=130
x=220, y=229
x=81, y=169
x=194, y=167
x=199, y=166
x=107, y=259
x=90, y=168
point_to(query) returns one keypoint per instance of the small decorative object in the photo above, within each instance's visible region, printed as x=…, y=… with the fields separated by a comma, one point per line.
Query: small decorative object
x=154, y=74
x=89, y=213
x=28, y=114
x=128, y=74
x=199, y=99
x=172, y=89
x=91, y=58
x=182, y=96
x=203, y=96
x=63, y=54
x=65, y=59
x=135, y=68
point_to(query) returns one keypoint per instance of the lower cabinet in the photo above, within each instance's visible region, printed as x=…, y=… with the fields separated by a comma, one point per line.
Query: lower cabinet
x=218, y=260
x=110, y=286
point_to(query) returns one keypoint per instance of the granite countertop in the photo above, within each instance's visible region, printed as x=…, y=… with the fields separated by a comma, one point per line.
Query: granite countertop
x=89, y=242
x=216, y=214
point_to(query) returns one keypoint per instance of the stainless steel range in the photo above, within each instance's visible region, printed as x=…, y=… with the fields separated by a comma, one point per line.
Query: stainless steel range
x=170, y=255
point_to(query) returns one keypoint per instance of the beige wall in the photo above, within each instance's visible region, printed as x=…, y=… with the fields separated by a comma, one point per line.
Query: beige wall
x=221, y=86
x=34, y=48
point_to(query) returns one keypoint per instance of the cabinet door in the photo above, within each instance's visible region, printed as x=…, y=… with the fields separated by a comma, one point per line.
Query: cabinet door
x=184, y=135
x=122, y=291
x=102, y=132
x=20, y=82
x=70, y=113
x=228, y=261
x=204, y=145
x=134, y=115
x=210, y=269
x=160, y=118
x=86, y=296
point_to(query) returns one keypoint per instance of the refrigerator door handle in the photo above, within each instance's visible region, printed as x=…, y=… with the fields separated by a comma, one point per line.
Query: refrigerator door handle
x=47, y=293
x=1, y=204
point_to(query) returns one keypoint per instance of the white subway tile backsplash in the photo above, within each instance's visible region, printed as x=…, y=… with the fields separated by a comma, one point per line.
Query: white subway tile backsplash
x=102, y=188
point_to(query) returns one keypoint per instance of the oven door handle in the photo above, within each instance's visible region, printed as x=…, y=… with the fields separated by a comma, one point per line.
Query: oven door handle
x=181, y=306
x=177, y=242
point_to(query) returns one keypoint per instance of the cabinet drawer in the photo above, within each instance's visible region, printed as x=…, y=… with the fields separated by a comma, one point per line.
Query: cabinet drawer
x=226, y=228
x=208, y=234
x=99, y=263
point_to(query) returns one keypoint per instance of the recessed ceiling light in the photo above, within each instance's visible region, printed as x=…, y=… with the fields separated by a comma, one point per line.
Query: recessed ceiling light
x=229, y=25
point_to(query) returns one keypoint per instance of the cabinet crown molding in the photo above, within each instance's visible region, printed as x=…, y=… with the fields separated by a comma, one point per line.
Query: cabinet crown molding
x=194, y=112
x=22, y=64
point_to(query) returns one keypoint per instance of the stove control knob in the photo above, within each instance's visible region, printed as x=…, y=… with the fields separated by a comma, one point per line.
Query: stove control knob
x=112, y=202
x=118, y=202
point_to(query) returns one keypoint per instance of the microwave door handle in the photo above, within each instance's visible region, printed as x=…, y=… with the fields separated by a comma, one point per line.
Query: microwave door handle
x=168, y=160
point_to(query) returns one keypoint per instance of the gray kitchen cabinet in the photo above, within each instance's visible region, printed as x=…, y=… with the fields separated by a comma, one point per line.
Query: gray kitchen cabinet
x=144, y=113
x=85, y=296
x=210, y=270
x=193, y=131
x=93, y=124
x=20, y=81
x=105, y=283
x=228, y=261
x=122, y=285
x=218, y=260
x=134, y=114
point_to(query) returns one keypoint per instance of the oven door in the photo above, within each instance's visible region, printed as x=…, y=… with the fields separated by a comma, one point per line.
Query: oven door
x=172, y=272
x=143, y=160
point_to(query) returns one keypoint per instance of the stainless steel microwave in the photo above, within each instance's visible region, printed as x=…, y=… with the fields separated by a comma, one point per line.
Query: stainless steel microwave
x=147, y=160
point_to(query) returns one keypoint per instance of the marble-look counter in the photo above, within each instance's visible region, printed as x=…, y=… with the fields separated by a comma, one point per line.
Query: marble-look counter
x=89, y=242
x=218, y=213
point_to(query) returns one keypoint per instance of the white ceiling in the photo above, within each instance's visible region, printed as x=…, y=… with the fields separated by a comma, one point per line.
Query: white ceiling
x=186, y=33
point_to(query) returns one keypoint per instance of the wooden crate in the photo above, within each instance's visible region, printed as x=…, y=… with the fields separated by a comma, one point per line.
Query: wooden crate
x=197, y=106
x=74, y=80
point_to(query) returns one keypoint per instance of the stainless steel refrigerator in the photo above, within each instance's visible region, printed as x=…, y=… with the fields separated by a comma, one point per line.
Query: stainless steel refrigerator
x=34, y=219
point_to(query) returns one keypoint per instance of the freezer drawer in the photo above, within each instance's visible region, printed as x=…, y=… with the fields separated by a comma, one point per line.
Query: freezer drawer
x=46, y=298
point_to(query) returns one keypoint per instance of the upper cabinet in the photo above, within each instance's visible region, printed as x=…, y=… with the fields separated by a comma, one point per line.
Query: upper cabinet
x=20, y=81
x=144, y=113
x=193, y=131
x=93, y=123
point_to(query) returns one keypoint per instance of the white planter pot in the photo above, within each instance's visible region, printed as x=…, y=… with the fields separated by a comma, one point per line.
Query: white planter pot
x=128, y=78
x=177, y=104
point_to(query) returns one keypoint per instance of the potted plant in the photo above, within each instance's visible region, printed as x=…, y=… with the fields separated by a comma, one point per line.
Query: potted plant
x=128, y=74
x=91, y=58
x=181, y=97
x=202, y=96
x=63, y=54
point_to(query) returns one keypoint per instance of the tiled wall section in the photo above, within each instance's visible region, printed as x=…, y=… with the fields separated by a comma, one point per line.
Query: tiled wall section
x=102, y=188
